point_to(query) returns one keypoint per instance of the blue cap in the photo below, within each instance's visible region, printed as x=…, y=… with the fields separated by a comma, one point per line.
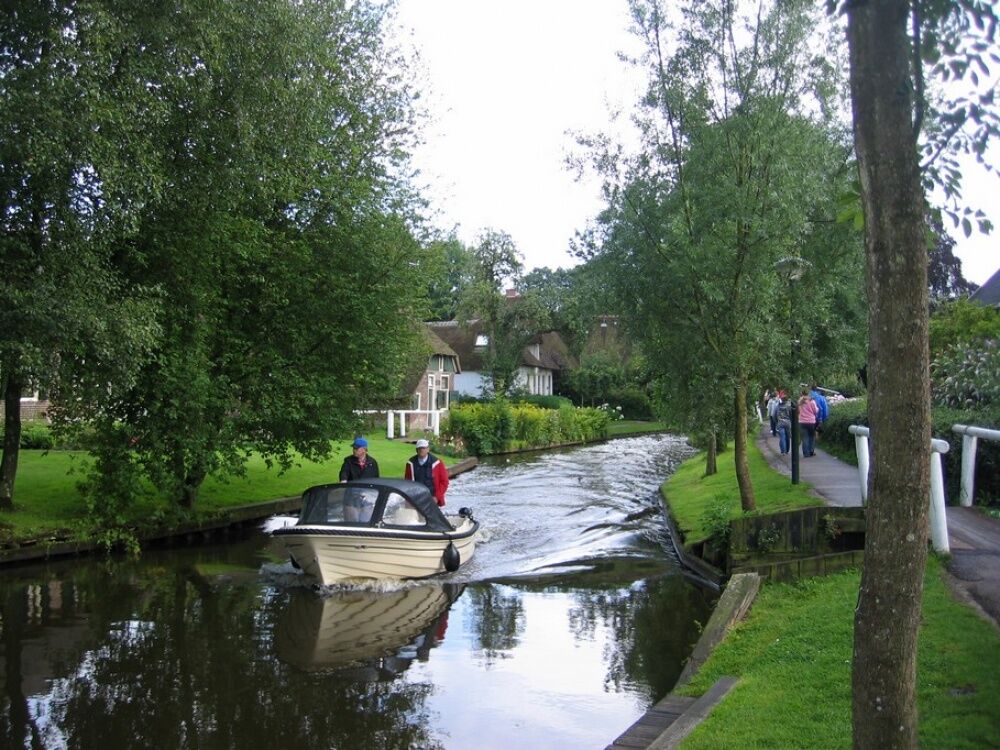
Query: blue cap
x=360, y=443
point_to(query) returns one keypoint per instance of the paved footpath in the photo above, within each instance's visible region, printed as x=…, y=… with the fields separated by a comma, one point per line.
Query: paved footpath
x=974, y=538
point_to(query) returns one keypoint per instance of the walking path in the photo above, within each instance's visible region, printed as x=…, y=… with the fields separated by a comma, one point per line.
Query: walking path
x=974, y=537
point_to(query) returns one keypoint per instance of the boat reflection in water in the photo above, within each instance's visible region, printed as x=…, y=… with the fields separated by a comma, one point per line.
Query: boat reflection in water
x=370, y=635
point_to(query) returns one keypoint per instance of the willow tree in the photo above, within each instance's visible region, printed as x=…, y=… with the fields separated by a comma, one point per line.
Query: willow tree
x=737, y=172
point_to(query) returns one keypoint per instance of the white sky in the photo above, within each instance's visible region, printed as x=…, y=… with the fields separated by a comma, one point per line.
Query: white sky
x=505, y=82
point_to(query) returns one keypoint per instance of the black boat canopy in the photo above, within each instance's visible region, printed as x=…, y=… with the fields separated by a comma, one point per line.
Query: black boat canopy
x=374, y=503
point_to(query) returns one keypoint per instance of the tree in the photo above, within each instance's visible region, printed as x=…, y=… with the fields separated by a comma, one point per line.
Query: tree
x=449, y=269
x=887, y=92
x=509, y=322
x=738, y=172
x=944, y=270
x=73, y=168
x=278, y=237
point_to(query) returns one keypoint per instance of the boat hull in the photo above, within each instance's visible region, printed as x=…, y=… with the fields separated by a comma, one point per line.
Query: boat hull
x=341, y=554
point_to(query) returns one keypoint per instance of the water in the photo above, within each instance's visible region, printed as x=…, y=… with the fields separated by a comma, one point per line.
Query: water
x=570, y=621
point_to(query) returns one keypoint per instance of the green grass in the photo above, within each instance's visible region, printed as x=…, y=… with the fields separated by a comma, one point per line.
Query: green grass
x=793, y=658
x=690, y=492
x=47, y=500
x=632, y=426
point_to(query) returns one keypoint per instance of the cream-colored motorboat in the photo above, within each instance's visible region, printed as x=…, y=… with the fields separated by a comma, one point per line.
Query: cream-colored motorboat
x=381, y=528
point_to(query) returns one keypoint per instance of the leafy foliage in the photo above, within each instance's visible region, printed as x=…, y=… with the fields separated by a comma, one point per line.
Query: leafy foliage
x=236, y=188
x=962, y=322
x=737, y=172
x=498, y=426
x=967, y=375
x=508, y=322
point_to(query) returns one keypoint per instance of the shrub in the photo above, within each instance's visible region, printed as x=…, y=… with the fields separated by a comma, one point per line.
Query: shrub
x=36, y=435
x=967, y=375
x=495, y=427
x=849, y=386
x=634, y=403
x=546, y=402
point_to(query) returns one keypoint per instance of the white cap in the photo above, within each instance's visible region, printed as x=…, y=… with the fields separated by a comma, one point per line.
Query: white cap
x=423, y=443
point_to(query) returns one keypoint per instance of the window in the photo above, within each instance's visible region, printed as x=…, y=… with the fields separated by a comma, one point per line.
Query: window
x=482, y=340
x=399, y=512
x=441, y=395
x=339, y=504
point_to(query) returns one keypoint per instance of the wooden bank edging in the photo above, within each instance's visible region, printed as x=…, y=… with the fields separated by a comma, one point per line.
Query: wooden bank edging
x=235, y=517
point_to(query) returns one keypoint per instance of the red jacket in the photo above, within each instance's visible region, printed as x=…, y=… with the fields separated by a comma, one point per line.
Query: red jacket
x=439, y=475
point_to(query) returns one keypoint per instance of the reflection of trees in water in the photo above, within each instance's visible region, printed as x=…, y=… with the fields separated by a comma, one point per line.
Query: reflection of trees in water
x=654, y=625
x=496, y=616
x=170, y=661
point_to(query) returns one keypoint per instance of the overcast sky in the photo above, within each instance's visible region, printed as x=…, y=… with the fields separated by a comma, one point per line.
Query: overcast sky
x=506, y=81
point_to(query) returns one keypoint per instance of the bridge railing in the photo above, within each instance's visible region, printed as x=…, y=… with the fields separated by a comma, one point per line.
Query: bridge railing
x=939, y=518
x=970, y=442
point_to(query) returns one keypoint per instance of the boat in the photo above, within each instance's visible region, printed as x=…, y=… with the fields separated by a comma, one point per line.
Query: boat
x=377, y=529
x=364, y=629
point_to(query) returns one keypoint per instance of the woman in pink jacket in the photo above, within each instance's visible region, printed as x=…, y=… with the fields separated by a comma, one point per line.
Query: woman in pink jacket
x=807, y=423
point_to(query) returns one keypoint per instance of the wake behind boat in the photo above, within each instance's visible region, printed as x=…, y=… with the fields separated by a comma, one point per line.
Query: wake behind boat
x=375, y=529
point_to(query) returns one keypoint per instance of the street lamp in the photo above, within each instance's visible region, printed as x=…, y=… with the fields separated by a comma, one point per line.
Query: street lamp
x=791, y=269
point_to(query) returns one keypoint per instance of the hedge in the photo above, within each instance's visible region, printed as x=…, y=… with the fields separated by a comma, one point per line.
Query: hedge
x=498, y=426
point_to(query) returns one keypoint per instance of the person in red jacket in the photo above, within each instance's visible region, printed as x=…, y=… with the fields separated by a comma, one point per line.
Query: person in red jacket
x=428, y=470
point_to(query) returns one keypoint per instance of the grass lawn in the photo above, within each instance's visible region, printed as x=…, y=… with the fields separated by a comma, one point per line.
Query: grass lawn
x=632, y=426
x=47, y=500
x=793, y=658
x=690, y=492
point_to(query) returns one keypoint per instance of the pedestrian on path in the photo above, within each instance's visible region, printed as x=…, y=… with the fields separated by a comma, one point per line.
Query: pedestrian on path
x=784, y=417
x=807, y=423
x=772, y=411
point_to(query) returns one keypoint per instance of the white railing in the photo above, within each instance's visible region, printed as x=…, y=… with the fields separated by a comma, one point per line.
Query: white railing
x=433, y=417
x=939, y=519
x=970, y=442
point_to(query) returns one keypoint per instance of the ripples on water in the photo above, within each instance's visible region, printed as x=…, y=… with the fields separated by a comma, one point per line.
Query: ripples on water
x=546, y=511
x=568, y=622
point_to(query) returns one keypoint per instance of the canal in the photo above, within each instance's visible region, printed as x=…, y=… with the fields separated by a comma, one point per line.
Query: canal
x=572, y=619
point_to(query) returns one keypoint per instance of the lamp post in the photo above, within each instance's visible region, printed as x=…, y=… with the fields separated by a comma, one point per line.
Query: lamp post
x=791, y=269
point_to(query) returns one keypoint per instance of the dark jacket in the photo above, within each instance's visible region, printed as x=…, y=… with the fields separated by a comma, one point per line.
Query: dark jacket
x=432, y=474
x=352, y=470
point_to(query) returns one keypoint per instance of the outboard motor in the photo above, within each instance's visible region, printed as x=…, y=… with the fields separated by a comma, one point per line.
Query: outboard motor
x=451, y=558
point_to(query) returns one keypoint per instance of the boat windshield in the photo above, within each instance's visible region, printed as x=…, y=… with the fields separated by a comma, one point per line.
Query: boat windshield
x=339, y=504
x=400, y=512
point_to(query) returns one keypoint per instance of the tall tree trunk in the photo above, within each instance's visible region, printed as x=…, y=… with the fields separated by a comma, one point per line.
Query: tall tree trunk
x=11, y=435
x=747, y=500
x=711, y=466
x=888, y=612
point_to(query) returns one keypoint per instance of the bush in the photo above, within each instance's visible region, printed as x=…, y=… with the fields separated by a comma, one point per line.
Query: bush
x=633, y=401
x=849, y=386
x=967, y=375
x=546, y=402
x=37, y=436
x=483, y=429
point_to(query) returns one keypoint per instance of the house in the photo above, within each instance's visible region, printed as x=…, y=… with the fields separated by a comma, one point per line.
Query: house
x=544, y=360
x=429, y=383
x=989, y=293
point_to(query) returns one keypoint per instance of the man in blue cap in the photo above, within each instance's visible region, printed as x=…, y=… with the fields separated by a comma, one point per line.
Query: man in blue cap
x=359, y=465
